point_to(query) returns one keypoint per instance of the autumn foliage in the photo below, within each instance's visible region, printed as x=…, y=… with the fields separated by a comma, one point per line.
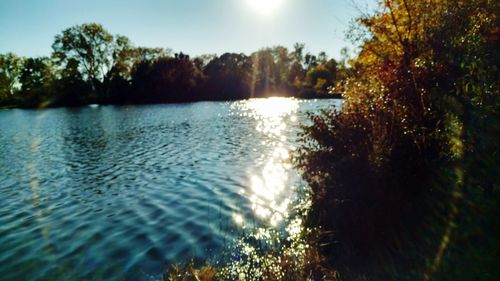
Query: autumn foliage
x=403, y=178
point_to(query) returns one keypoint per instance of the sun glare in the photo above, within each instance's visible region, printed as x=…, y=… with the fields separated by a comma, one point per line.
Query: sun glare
x=265, y=7
x=269, y=186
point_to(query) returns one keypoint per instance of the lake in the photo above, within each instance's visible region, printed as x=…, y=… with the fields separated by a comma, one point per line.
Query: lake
x=117, y=192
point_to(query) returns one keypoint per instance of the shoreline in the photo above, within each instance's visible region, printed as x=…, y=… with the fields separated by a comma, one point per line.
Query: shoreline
x=305, y=97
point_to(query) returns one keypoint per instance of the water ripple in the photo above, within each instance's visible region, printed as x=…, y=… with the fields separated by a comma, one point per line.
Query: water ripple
x=114, y=193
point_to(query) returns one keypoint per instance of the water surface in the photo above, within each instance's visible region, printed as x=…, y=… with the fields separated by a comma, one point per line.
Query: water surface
x=115, y=193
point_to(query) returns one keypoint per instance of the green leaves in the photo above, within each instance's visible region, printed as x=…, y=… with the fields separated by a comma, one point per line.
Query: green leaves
x=90, y=45
x=10, y=69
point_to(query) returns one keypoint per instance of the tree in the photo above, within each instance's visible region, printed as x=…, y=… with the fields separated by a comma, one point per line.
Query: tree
x=10, y=69
x=271, y=68
x=297, y=54
x=105, y=61
x=202, y=61
x=91, y=46
x=320, y=78
x=36, y=81
x=71, y=89
x=165, y=80
x=322, y=58
x=296, y=73
x=125, y=56
x=283, y=62
x=263, y=80
x=228, y=77
x=310, y=61
x=117, y=81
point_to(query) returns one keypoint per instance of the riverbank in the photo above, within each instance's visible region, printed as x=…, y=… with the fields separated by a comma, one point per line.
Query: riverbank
x=305, y=94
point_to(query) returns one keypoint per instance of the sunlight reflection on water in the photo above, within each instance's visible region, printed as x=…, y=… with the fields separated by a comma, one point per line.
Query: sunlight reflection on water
x=116, y=192
x=268, y=189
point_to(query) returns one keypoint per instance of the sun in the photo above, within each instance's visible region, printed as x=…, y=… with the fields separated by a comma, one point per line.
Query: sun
x=265, y=7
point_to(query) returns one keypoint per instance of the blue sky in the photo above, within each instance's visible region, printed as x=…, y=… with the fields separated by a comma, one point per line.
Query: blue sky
x=28, y=27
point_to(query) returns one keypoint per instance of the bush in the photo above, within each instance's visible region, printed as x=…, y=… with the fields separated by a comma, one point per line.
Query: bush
x=405, y=172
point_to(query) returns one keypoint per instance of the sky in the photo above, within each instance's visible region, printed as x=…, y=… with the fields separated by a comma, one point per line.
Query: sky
x=195, y=27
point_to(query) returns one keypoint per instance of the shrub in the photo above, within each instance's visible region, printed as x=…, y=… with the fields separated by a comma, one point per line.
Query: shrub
x=399, y=174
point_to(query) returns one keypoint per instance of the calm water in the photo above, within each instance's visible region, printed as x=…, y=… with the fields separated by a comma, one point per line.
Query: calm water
x=114, y=193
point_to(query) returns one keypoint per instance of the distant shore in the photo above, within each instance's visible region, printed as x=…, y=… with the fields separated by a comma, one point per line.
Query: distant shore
x=302, y=95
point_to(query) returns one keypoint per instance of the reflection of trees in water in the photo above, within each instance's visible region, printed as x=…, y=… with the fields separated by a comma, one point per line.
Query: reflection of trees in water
x=86, y=146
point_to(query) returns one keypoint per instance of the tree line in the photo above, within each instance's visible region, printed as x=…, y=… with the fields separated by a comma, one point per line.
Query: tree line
x=90, y=65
